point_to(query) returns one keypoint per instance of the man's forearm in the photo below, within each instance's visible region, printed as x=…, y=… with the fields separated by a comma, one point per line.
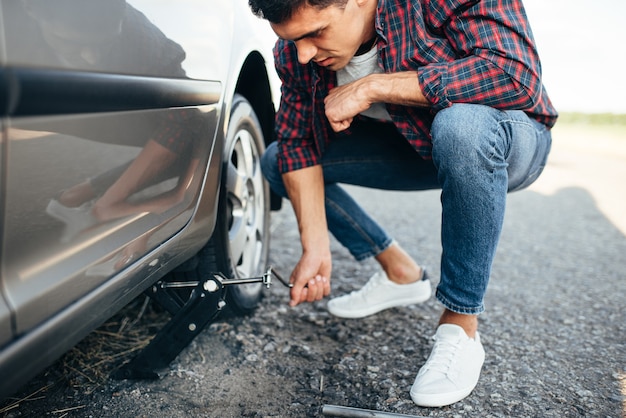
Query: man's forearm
x=396, y=88
x=306, y=193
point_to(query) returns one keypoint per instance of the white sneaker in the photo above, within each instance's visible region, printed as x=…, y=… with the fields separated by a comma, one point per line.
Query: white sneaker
x=67, y=214
x=76, y=219
x=452, y=369
x=378, y=294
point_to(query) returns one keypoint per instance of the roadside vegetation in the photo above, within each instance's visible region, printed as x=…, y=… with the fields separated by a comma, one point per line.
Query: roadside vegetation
x=604, y=119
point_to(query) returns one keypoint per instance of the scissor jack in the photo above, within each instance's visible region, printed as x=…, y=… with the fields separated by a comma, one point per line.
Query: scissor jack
x=206, y=301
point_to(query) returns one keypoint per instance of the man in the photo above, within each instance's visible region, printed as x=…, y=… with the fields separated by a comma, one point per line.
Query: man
x=407, y=95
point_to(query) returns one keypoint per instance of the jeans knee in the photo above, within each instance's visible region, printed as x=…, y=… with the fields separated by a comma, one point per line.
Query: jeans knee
x=462, y=124
x=463, y=136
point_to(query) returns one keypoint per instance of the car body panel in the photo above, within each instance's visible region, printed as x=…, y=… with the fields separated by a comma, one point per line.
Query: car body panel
x=62, y=83
x=5, y=314
x=45, y=268
x=88, y=87
x=5, y=321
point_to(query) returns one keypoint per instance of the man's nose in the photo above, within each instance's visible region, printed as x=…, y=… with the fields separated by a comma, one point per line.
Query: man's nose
x=306, y=51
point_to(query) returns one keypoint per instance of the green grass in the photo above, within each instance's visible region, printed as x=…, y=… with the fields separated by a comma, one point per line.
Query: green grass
x=604, y=119
x=608, y=124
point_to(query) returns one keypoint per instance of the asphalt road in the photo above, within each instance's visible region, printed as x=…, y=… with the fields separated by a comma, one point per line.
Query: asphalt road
x=554, y=330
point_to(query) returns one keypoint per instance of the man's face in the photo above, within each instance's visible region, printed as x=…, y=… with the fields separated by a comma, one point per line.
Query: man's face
x=331, y=36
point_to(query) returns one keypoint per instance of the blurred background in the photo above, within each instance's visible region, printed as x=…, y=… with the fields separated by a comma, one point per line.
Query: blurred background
x=581, y=45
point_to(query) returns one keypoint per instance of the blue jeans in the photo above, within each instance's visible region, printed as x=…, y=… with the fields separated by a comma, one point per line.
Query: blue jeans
x=479, y=154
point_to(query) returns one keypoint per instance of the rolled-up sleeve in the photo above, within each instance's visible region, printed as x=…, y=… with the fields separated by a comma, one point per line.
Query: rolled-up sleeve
x=294, y=119
x=495, y=61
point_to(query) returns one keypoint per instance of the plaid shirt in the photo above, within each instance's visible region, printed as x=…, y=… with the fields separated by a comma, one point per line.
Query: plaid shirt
x=464, y=51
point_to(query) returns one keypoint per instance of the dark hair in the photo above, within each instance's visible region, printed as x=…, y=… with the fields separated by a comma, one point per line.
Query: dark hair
x=278, y=11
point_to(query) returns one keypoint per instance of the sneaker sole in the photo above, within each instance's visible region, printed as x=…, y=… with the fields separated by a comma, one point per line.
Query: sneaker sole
x=377, y=308
x=432, y=400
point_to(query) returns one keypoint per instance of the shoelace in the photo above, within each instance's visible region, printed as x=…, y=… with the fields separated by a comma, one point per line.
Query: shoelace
x=443, y=355
x=373, y=282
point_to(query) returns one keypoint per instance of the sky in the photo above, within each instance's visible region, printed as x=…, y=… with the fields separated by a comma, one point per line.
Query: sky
x=582, y=46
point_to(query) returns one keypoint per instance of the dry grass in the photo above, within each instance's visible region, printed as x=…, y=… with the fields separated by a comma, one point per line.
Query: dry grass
x=87, y=366
x=107, y=348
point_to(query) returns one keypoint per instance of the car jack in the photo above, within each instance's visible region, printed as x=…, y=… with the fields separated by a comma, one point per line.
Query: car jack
x=189, y=318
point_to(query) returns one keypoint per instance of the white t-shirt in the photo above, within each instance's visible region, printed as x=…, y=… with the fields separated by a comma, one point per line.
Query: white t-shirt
x=358, y=67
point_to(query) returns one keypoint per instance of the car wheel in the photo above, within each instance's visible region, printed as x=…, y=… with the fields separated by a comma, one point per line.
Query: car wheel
x=241, y=238
x=239, y=246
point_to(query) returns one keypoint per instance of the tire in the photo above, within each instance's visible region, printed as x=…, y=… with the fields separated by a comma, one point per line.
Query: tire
x=241, y=240
x=239, y=246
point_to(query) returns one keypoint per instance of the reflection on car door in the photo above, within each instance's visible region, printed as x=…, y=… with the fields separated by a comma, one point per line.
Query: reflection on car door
x=107, y=143
x=5, y=317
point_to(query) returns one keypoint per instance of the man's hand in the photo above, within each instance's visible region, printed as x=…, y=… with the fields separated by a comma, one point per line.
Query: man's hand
x=343, y=103
x=311, y=278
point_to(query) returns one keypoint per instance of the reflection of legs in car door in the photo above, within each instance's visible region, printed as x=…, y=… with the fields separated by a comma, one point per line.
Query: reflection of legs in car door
x=152, y=161
x=76, y=206
x=92, y=187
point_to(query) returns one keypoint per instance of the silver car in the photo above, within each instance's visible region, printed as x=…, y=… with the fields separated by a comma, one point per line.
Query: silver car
x=130, y=136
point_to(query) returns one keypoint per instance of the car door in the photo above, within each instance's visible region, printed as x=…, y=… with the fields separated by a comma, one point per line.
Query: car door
x=107, y=141
x=5, y=314
x=6, y=332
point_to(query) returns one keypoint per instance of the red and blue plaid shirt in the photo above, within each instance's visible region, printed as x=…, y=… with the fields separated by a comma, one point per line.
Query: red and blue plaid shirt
x=464, y=51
